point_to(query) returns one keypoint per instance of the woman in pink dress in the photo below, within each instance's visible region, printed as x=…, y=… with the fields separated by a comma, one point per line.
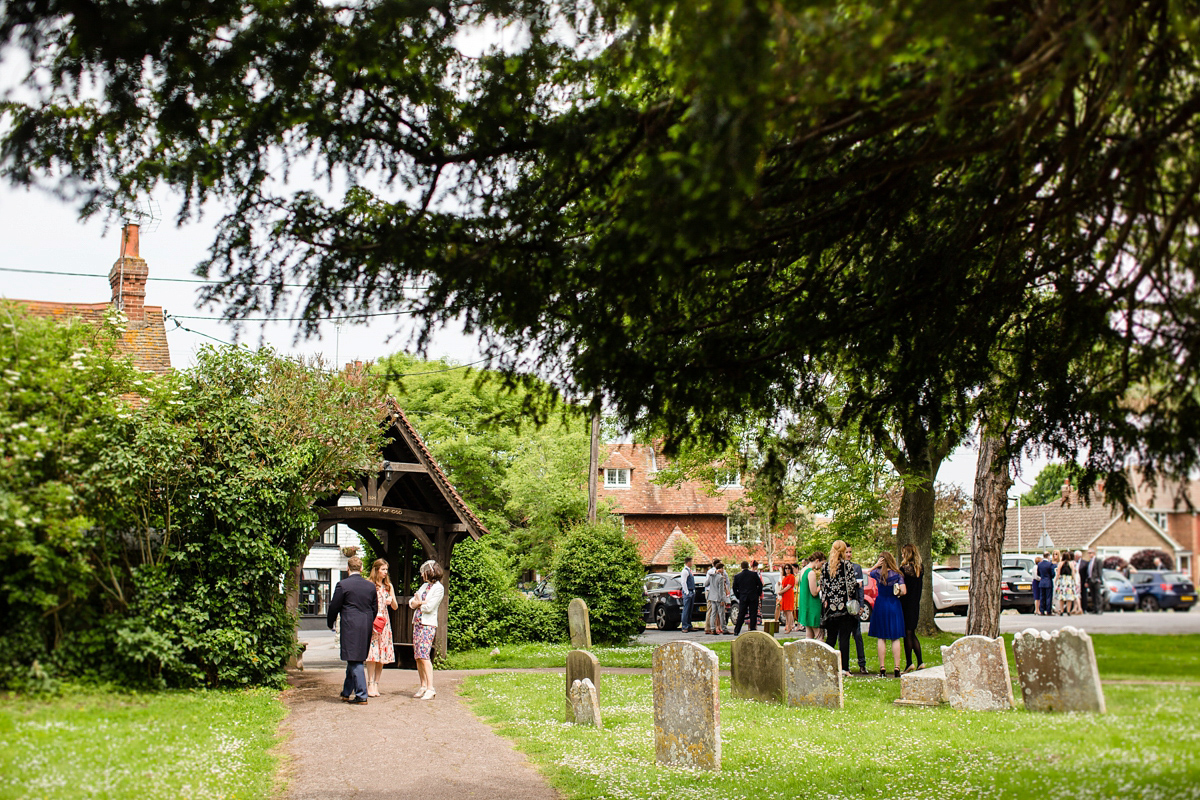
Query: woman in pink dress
x=382, y=650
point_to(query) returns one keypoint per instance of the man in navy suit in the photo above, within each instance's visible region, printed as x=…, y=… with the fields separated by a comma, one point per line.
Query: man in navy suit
x=687, y=581
x=1045, y=573
x=356, y=601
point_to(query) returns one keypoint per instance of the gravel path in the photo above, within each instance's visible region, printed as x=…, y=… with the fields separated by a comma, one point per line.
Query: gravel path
x=397, y=747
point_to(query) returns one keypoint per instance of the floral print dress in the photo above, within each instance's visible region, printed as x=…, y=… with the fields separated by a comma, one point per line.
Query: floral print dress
x=383, y=650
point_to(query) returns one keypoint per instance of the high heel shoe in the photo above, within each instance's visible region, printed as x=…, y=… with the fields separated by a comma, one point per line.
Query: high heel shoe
x=372, y=689
x=883, y=672
x=896, y=673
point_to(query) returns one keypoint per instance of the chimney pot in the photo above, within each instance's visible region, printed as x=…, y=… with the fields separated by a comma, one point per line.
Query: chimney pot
x=128, y=278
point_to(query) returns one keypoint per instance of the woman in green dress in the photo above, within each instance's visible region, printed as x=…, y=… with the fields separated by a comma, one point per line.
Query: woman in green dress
x=808, y=597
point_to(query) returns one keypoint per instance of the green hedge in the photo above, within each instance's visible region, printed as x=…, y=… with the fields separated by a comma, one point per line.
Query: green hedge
x=601, y=565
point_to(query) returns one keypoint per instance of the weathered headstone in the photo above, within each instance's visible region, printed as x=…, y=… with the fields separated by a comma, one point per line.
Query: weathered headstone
x=1057, y=670
x=925, y=687
x=579, y=624
x=812, y=674
x=581, y=664
x=687, y=706
x=585, y=705
x=756, y=667
x=977, y=677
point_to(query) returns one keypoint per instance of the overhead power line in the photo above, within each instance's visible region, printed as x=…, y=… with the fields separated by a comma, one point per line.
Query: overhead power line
x=165, y=280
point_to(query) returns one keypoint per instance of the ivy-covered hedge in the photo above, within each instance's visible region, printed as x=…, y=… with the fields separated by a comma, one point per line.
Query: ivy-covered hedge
x=601, y=565
x=145, y=541
x=485, y=610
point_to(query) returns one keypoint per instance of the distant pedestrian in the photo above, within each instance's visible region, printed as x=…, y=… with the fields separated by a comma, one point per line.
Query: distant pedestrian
x=910, y=602
x=717, y=591
x=838, y=589
x=809, y=596
x=747, y=587
x=687, y=582
x=887, y=618
x=787, y=598
x=356, y=602
x=1045, y=584
x=425, y=619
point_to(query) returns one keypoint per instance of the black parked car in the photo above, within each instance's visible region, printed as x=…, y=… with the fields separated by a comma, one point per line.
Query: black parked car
x=662, y=600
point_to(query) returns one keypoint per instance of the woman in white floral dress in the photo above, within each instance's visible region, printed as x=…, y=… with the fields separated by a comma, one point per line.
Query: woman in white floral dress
x=382, y=649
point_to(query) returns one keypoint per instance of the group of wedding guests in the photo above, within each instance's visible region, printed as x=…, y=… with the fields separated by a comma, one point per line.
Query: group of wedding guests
x=824, y=596
x=366, y=627
x=1067, y=581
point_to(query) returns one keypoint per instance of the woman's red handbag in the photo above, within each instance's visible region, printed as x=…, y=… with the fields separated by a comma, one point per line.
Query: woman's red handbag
x=380, y=622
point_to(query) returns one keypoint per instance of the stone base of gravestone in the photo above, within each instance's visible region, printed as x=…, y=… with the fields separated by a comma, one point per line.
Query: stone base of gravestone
x=1057, y=670
x=756, y=667
x=812, y=674
x=925, y=687
x=977, y=676
x=585, y=705
x=581, y=664
x=687, y=706
x=579, y=623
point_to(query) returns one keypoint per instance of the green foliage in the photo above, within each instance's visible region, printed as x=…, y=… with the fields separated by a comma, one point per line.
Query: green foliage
x=177, y=514
x=1047, y=486
x=485, y=610
x=522, y=471
x=683, y=550
x=601, y=565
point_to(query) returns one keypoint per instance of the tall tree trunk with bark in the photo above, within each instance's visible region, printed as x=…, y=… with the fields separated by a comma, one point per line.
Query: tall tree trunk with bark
x=992, y=482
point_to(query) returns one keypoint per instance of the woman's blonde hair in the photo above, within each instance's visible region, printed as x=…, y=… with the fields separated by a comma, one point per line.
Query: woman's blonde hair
x=378, y=579
x=910, y=557
x=837, y=551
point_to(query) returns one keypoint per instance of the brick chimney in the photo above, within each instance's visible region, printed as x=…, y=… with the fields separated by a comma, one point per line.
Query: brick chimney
x=128, y=278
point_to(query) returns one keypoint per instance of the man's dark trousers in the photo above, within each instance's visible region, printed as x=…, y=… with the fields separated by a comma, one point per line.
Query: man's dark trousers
x=355, y=601
x=1046, y=598
x=688, y=601
x=747, y=607
x=355, y=684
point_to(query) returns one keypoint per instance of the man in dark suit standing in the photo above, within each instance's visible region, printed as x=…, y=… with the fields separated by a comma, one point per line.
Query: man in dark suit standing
x=355, y=599
x=1095, y=580
x=1045, y=584
x=1085, y=566
x=747, y=587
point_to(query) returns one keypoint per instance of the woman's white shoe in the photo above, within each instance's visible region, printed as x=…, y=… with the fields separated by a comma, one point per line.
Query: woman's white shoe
x=429, y=694
x=420, y=693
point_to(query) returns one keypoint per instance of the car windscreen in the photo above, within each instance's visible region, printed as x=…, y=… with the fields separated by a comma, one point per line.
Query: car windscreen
x=1176, y=577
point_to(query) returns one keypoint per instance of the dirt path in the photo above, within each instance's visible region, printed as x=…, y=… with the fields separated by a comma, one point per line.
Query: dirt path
x=397, y=747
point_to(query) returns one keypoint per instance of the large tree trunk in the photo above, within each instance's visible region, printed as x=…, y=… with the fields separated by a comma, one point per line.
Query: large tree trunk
x=992, y=482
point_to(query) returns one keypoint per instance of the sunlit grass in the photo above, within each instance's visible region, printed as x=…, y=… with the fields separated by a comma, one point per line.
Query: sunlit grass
x=1145, y=747
x=96, y=744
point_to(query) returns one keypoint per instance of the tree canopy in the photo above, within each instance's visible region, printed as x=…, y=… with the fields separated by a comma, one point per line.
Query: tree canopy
x=687, y=209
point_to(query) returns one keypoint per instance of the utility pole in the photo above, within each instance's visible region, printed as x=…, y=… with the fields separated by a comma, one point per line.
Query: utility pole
x=593, y=465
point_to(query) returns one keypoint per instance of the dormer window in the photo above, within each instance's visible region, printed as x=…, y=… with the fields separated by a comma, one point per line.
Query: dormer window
x=616, y=479
x=729, y=479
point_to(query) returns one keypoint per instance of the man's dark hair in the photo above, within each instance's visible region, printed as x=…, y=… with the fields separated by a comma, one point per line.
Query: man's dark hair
x=745, y=565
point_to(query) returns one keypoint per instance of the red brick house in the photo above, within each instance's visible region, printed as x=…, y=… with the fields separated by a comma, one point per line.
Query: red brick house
x=145, y=336
x=660, y=517
x=1174, y=506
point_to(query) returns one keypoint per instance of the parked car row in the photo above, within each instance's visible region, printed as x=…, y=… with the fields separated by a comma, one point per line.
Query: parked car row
x=662, y=600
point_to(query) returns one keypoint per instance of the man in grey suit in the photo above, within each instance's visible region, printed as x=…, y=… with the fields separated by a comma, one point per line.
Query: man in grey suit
x=356, y=601
x=1095, y=580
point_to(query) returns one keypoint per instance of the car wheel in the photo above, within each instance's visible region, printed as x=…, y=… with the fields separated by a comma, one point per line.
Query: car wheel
x=731, y=620
x=660, y=619
x=1149, y=603
x=864, y=614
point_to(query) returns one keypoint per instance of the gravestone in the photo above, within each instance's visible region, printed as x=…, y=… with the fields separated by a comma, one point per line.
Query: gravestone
x=1057, y=670
x=687, y=706
x=924, y=687
x=579, y=624
x=756, y=662
x=812, y=674
x=585, y=705
x=977, y=677
x=581, y=664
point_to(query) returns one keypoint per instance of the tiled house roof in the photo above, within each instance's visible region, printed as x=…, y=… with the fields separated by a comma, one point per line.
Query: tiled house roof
x=146, y=344
x=1076, y=526
x=1166, y=495
x=666, y=553
x=646, y=497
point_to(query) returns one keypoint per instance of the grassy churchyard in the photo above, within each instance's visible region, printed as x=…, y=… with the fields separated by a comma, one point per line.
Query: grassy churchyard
x=92, y=743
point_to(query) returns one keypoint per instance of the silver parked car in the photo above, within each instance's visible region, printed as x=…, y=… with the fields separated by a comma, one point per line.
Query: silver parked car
x=951, y=591
x=1121, y=593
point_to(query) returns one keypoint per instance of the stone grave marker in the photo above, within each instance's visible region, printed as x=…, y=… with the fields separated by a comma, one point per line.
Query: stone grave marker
x=581, y=664
x=924, y=687
x=812, y=674
x=579, y=624
x=1057, y=670
x=977, y=677
x=756, y=661
x=585, y=705
x=687, y=706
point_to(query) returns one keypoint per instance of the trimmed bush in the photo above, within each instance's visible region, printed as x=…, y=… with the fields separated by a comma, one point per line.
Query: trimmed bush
x=1144, y=559
x=601, y=565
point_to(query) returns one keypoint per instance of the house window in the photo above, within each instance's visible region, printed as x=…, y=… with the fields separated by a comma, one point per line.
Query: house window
x=741, y=530
x=729, y=479
x=1160, y=519
x=328, y=538
x=616, y=478
x=315, y=592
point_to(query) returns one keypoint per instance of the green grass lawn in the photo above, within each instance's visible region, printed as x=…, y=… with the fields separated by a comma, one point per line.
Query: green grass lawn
x=1145, y=747
x=97, y=744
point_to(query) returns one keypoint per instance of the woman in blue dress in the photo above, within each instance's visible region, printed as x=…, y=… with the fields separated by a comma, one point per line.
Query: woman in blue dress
x=887, y=618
